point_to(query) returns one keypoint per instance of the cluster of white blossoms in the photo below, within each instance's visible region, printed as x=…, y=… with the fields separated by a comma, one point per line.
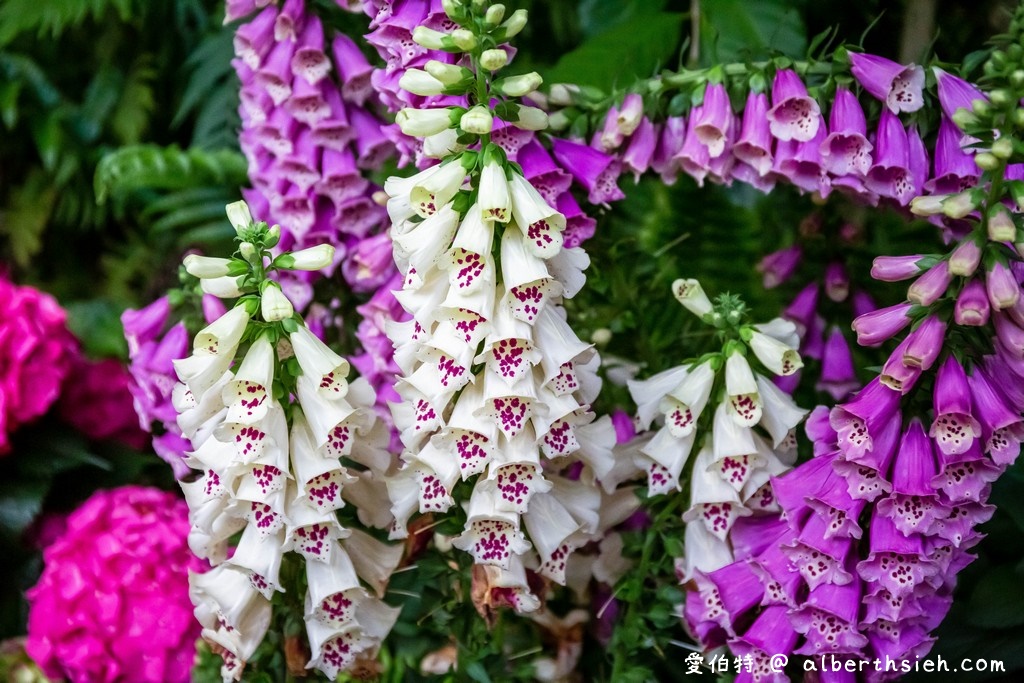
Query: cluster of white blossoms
x=496, y=387
x=269, y=435
x=746, y=438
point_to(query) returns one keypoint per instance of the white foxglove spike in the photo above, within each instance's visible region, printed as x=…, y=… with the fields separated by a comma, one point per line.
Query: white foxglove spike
x=780, y=413
x=648, y=393
x=327, y=369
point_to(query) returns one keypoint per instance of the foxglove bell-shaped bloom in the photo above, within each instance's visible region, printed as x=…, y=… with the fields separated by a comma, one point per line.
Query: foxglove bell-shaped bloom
x=754, y=145
x=898, y=86
x=794, y=115
x=846, y=149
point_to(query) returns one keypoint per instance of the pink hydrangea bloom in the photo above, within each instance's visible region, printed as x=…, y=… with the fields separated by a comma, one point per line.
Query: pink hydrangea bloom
x=98, y=403
x=36, y=349
x=112, y=602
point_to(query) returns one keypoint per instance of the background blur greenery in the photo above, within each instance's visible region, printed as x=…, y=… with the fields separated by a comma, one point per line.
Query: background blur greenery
x=119, y=150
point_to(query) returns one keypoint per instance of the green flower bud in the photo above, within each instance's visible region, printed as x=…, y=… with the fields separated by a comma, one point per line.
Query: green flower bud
x=517, y=86
x=464, y=40
x=986, y=161
x=494, y=15
x=492, y=60
x=477, y=120
x=1003, y=148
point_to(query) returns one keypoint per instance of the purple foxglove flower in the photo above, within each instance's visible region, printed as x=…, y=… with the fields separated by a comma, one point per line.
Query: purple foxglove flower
x=769, y=636
x=890, y=173
x=794, y=487
x=895, y=268
x=954, y=427
x=897, y=644
x=895, y=561
x=638, y=155
x=1000, y=424
x=372, y=146
x=754, y=145
x=1009, y=335
x=896, y=374
x=795, y=115
x=965, y=258
x=720, y=167
x=862, y=303
x=781, y=584
x=595, y=171
x=727, y=594
x=828, y=618
x=708, y=632
x=955, y=93
x=779, y=266
x=254, y=39
x=1003, y=290
x=955, y=170
x=370, y=264
x=972, y=307
x=803, y=309
x=913, y=506
x=800, y=163
x=275, y=74
x=694, y=158
x=818, y=430
x=819, y=560
x=712, y=120
x=917, y=157
x=925, y=343
x=965, y=478
x=838, y=376
x=846, y=149
x=354, y=69
x=837, y=281
x=898, y=86
x=670, y=143
x=748, y=175
x=752, y=536
x=609, y=138
x=931, y=286
x=874, y=328
x=631, y=113
x=859, y=421
x=960, y=521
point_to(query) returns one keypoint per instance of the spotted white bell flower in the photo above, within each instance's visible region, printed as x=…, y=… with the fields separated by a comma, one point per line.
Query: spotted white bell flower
x=667, y=454
x=713, y=502
x=541, y=225
x=648, y=394
x=213, y=350
x=436, y=186
x=231, y=611
x=744, y=400
x=691, y=295
x=683, y=405
x=780, y=414
x=259, y=555
x=494, y=200
x=777, y=356
x=246, y=396
x=491, y=536
x=326, y=369
x=705, y=552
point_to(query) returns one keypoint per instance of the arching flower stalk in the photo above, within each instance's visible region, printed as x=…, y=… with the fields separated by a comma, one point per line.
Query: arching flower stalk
x=724, y=426
x=495, y=385
x=281, y=440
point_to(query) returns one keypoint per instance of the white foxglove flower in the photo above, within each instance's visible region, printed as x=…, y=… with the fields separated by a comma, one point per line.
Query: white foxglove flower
x=491, y=536
x=225, y=598
x=333, y=591
x=510, y=583
x=246, y=396
x=541, y=224
x=443, y=144
x=419, y=82
x=469, y=262
x=782, y=330
x=691, y=295
x=493, y=198
x=259, y=555
x=274, y=305
x=729, y=438
x=780, y=413
x=684, y=403
x=648, y=394
x=528, y=284
x=744, y=401
x=324, y=367
x=424, y=244
x=433, y=190
x=705, y=552
x=778, y=357
x=477, y=120
x=213, y=351
x=374, y=561
x=206, y=266
x=670, y=454
x=312, y=258
x=713, y=502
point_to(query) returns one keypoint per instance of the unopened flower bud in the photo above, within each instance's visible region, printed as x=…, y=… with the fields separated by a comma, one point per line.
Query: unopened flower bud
x=495, y=13
x=1003, y=148
x=1000, y=97
x=514, y=25
x=1001, y=227
x=517, y=86
x=247, y=250
x=601, y=336
x=563, y=94
x=455, y=10
x=959, y=205
x=530, y=118
x=431, y=39
x=419, y=82
x=274, y=305
x=965, y=118
x=448, y=74
x=492, y=60
x=423, y=122
x=982, y=108
x=238, y=215
x=965, y=259
x=464, y=39
x=273, y=236
x=221, y=287
x=986, y=161
x=206, y=266
x=477, y=120
x=927, y=205
x=312, y=258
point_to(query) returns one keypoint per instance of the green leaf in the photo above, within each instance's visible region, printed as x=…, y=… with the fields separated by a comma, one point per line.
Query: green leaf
x=996, y=600
x=167, y=168
x=25, y=220
x=53, y=16
x=136, y=104
x=97, y=324
x=20, y=502
x=741, y=27
x=621, y=54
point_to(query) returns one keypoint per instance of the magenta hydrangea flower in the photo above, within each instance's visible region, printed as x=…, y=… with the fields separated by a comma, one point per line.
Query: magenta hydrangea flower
x=112, y=603
x=98, y=403
x=36, y=349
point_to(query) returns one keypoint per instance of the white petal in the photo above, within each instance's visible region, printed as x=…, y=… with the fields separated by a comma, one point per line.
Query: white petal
x=780, y=413
x=648, y=393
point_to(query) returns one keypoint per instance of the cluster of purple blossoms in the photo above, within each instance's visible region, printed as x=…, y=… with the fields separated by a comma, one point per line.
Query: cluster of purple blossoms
x=309, y=135
x=153, y=344
x=786, y=138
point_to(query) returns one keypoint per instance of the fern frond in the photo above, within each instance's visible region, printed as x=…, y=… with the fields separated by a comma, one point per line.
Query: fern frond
x=51, y=17
x=166, y=168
